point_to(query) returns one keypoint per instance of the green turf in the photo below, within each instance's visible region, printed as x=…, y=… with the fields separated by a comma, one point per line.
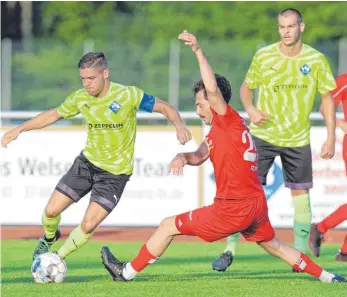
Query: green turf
x=185, y=270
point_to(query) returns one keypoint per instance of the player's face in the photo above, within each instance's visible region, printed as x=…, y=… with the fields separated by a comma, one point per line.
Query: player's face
x=290, y=29
x=203, y=108
x=94, y=80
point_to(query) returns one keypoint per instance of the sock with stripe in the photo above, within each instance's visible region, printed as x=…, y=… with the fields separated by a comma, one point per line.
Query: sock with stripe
x=143, y=259
x=76, y=240
x=305, y=264
x=302, y=221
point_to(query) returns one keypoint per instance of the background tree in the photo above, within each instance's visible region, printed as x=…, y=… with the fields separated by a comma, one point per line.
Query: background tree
x=136, y=38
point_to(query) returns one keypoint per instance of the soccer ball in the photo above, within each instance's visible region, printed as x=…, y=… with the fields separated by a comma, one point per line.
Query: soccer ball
x=48, y=268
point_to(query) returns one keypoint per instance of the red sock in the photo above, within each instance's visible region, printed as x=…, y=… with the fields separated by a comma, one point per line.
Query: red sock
x=331, y=221
x=344, y=246
x=305, y=264
x=143, y=258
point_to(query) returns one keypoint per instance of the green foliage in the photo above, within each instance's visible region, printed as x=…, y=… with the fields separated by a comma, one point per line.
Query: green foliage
x=42, y=79
x=241, y=20
x=136, y=38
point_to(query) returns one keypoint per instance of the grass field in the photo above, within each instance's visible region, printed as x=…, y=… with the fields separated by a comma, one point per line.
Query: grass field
x=185, y=270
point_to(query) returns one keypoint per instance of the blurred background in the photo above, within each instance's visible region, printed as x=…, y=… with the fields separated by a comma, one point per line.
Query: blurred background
x=43, y=41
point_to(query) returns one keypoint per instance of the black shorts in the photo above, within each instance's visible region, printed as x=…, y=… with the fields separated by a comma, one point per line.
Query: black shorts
x=296, y=163
x=84, y=177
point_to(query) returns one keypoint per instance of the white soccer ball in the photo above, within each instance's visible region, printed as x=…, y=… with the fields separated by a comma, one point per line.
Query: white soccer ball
x=48, y=268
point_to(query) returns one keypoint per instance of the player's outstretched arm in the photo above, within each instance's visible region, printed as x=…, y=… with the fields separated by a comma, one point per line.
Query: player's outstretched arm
x=42, y=120
x=193, y=158
x=214, y=95
x=172, y=115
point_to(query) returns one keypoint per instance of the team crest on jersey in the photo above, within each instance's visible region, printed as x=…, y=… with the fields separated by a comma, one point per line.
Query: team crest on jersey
x=305, y=69
x=115, y=106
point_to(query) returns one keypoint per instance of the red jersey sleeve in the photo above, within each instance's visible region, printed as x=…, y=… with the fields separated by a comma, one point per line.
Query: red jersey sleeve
x=225, y=120
x=340, y=93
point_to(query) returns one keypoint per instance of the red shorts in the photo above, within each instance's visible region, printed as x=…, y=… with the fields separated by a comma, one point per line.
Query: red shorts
x=225, y=217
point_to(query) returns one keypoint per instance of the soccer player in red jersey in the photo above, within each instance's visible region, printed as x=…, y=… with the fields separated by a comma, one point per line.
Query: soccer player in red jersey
x=239, y=205
x=340, y=214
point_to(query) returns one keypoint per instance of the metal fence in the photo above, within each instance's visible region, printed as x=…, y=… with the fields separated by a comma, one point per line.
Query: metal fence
x=41, y=78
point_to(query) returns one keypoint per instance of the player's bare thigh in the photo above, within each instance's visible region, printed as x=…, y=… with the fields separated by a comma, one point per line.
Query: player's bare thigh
x=168, y=226
x=106, y=193
x=57, y=203
x=163, y=236
x=93, y=217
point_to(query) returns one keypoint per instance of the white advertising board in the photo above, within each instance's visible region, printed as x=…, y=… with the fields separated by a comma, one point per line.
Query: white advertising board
x=32, y=165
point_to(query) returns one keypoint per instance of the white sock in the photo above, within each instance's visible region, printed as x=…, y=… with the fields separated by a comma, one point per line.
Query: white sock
x=326, y=277
x=129, y=272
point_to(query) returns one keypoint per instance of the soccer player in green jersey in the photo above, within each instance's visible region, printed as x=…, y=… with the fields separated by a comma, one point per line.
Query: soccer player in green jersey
x=106, y=163
x=288, y=74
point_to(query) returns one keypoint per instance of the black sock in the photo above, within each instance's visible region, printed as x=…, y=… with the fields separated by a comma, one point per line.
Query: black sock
x=49, y=239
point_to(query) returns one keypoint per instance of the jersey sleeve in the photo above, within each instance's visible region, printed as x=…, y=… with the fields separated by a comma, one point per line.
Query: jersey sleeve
x=340, y=93
x=225, y=120
x=141, y=100
x=135, y=96
x=69, y=108
x=326, y=81
x=253, y=76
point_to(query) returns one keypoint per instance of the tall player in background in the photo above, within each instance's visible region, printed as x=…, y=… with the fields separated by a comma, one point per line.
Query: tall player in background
x=339, y=215
x=239, y=204
x=106, y=163
x=288, y=74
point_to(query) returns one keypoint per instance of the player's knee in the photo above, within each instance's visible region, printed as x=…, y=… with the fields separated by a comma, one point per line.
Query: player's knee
x=88, y=226
x=298, y=192
x=167, y=225
x=271, y=246
x=51, y=212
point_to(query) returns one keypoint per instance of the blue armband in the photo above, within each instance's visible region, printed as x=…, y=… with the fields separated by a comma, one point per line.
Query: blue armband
x=147, y=103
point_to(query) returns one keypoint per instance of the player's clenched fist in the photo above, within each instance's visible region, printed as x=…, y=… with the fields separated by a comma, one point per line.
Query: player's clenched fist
x=190, y=40
x=9, y=136
x=183, y=134
x=177, y=164
x=328, y=150
x=258, y=117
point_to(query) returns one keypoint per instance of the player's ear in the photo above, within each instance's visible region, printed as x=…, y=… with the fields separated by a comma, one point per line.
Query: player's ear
x=302, y=27
x=106, y=74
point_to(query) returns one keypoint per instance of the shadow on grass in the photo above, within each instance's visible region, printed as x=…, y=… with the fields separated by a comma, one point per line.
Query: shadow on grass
x=163, y=261
x=276, y=274
x=69, y=279
x=249, y=260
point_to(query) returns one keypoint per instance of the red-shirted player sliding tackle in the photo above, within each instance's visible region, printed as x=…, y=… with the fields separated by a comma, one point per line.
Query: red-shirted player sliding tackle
x=340, y=214
x=239, y=205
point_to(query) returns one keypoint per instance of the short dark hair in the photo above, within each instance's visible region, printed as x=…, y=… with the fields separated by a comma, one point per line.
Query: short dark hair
x=93, y=59
x=222, y=83
x=292, y=10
